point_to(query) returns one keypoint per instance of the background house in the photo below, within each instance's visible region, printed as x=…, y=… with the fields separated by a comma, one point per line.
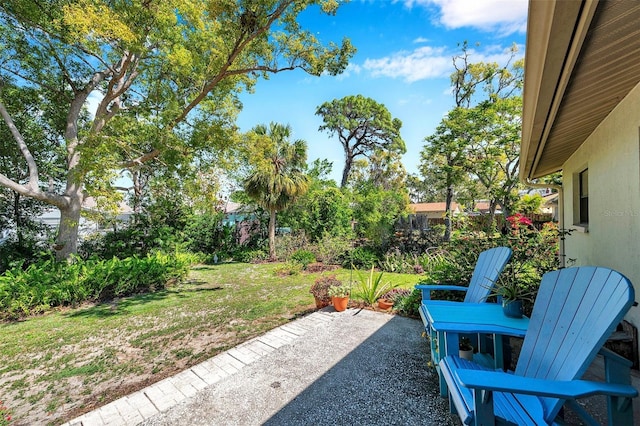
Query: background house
x=582, y=116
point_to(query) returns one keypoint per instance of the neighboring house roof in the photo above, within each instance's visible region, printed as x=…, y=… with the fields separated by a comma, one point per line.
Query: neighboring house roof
x=236, y=208
x=581, y=61
x=51, y=216
x=431, y=207
x=551, y=199
x=231, y=207
x=482, y=206
x=90, y=203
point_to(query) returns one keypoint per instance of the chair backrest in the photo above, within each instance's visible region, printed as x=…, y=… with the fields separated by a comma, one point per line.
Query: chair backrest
x=490, y=265
x=575, y=312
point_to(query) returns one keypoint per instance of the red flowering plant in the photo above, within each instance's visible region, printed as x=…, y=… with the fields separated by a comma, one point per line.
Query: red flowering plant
x=5, y=415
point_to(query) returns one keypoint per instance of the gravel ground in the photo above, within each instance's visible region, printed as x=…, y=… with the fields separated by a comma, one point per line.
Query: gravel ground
x=363, y=367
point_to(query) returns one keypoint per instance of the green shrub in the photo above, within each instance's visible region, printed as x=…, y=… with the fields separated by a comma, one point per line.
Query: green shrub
x=401, y=263
x=139, y=239
x=288, y=244
x=250, y=256
x=303, y=257
x=48, y=284
x=446, y=267
x=360, y=258
x=330, y=249
x=25, y=252
x=288, y=268
x=409, y=305
x=206, y=234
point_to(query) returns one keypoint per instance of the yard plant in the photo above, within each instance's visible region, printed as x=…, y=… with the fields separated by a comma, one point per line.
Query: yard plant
x=371, y=287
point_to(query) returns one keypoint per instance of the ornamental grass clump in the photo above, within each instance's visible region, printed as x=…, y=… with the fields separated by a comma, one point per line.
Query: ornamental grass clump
x=371, y=287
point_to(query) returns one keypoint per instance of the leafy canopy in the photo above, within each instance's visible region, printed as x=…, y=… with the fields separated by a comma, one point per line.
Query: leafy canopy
x=363, y=126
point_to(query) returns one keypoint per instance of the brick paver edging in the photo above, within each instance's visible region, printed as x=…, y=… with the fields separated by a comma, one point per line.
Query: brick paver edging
x=139, y=406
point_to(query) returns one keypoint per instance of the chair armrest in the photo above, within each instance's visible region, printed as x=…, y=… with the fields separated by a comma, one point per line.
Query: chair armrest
x=573, y=389
x=428, y=288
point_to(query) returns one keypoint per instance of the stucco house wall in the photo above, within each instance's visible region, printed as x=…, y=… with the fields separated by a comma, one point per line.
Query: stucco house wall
x=612, y=156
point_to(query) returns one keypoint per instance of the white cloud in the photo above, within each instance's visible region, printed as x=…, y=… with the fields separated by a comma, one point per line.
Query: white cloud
x=351, y=69
x=428, y=62
x=501, y=16
x=93, y=100
x=419, y=64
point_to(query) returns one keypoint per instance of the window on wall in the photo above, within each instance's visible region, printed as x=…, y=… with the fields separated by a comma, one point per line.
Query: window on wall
x=583, y=193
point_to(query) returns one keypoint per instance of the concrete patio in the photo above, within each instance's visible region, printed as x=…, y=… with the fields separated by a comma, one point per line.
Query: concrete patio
x=328, y=368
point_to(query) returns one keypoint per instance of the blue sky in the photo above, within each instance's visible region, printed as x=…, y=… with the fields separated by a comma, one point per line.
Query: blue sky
x=403, y=61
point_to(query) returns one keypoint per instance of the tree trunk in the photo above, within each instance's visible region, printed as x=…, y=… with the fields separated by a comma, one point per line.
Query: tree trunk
x=492, y=217
x=447, y=214
x=67, y=239
x=272, y=236
x=345, y=172
x=506, y=211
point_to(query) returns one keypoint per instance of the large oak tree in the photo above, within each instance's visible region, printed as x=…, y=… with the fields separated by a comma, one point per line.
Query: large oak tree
x=171, y=66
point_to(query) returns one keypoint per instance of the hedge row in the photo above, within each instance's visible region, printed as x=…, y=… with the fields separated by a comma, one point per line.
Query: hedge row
x=48, y=284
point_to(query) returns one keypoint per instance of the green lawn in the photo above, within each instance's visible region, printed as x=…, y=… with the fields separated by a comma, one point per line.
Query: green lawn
x=56, y=366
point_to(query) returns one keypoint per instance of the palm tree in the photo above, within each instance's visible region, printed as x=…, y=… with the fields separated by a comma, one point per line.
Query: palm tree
x=278, y=178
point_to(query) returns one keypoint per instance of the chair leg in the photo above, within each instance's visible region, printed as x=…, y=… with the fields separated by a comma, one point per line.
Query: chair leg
x=483, y=403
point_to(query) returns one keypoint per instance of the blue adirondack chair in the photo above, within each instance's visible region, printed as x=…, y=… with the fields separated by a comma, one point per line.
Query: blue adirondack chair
x=575, y=312
x=488, y=268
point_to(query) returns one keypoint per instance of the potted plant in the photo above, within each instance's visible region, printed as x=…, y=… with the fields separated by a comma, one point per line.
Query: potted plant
x=388, y=299
x=511, y=293
x=465, y=349
x=320, y=290
x=340, y=296
x=371, y=288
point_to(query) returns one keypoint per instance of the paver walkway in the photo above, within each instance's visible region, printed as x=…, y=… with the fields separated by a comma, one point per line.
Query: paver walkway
x=370, y=365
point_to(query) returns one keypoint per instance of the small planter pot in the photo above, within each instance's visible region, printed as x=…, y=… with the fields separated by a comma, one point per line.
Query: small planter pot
x=512, y=308
x=385, y=304
x=468, y=354
x=321, y=303
x=340, y=303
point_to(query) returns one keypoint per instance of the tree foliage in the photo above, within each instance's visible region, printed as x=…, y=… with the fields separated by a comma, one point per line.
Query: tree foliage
x=363, y=127
x=324, y=211
x=164, y=76
x=379, y=196
x=278, y=177
x=475, y=148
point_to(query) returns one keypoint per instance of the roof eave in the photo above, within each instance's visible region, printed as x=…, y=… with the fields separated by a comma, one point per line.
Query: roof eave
x=555, y=33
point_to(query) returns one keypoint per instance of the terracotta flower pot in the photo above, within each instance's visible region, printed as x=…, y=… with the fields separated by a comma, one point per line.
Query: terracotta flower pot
x=385, y=304
x=340, y=303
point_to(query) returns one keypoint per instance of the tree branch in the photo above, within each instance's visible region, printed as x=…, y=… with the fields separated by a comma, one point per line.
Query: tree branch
x=24, y=149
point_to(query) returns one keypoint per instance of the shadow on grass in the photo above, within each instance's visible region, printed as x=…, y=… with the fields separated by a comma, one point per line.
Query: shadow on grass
x=119, y=306
x=203, y=268
x=122, y=306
